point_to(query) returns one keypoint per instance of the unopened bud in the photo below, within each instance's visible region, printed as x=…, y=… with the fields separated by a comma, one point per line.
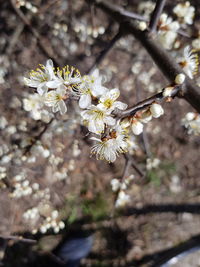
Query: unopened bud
x=180, y=78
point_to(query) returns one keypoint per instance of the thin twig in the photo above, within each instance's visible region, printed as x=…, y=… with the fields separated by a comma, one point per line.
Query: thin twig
x=38, y=137
x=18, y=238
x=156, y=15
x=38, y=37
x=103, y=53
x=144, y=104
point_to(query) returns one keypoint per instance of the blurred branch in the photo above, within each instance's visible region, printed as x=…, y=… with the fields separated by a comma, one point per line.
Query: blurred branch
x=156, y=15
x=18, y=238
x=38, y=137
x=104, y=52
x=146, y=103
x=38, y=37
x=165, y=62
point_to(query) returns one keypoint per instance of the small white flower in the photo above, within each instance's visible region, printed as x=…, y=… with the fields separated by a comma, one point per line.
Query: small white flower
x=123, y=199
x=96, y=118
x=40, y=77
x=66, y=77
x=196, y=43
x=109, y=147
x=115, y=184
x=189, y=62
x=156, y=110
x=109, y=102
x=54, y=99
x=185, y=12
x=180, y=78
x=136, y=126
x=95, y=84
x=192, y=123
x=167, y=31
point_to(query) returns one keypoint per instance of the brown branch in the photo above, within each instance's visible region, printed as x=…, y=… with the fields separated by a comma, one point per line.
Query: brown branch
x=103, y=53
x=156, y=15
x=18, y=238
x=38, y=137
x=165, y=62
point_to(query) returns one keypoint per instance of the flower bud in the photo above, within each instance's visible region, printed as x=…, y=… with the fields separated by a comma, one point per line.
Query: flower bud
x=168, y=91
x=156, y=110
x=180, y=78
x=137, y=127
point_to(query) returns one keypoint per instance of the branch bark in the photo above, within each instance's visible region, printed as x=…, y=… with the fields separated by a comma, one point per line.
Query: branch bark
x=156, y=15
x=165, y=62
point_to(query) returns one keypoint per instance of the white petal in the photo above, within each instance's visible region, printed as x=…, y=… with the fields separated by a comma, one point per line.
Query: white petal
x=120, y=105
x=110, y=121
x=54, y=84
x=85, y=101
x=49, y=68
x=62, y=107
x=114, y=94
x=98, y=90
x=42, y=89
x=31, y=83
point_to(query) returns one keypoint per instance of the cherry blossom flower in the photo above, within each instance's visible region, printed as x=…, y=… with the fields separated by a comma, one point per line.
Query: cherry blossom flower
x=167, y=31
x=55, y=99
x=136, y=126
x=96, y=118
x=111, y=146
x=122, y=200
x=40, y=77
x=90, y=87
x=66, y=77
x=108, y=100
x=192, y=123
x=189, y=62
x=185, y=12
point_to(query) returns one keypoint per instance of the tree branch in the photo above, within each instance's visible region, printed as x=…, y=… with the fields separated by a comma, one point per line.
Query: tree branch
x=164, y=61
x=156, y=15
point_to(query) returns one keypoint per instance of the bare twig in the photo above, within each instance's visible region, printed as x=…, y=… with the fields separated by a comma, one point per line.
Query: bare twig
x=103, y=53
x=144, y=104
x=38, y=137
x=18, y=238
x=156, y=15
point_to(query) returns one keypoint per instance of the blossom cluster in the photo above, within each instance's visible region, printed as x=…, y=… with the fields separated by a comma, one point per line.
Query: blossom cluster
x=55, y=87
x=191, y=121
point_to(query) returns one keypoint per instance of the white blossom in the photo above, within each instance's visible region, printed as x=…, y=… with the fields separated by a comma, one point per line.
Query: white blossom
x=196, y=43
x=108, y=100
x=115, y=184
x=96, y=118
x=55, y=99
x=91, y=86
x=167, y=31
x=136, y=126
x=40, y=77
x=192, y=123
x=156, y=110
x=109, y=147
x=66, y=77
x=123, y=199
x=185, y=12
x=189, y=62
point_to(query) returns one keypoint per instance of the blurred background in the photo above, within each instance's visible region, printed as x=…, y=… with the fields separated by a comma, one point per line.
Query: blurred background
x=47, y=176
